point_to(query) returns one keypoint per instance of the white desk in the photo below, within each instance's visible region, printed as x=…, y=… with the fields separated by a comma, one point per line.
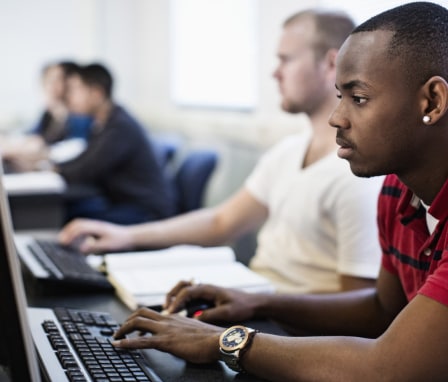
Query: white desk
x=36, y=199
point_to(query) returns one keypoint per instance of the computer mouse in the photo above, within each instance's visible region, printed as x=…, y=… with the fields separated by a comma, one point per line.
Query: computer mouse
x=194, y=308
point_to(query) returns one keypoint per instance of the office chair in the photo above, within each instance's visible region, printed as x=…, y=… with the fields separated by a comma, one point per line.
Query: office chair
x=165, y=150
x=191, y=178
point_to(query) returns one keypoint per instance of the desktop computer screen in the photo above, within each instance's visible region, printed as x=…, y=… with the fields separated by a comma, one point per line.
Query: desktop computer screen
x=17, y=354
x=50, y=344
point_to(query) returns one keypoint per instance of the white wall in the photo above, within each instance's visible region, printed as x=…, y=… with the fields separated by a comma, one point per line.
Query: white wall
x=132, y=38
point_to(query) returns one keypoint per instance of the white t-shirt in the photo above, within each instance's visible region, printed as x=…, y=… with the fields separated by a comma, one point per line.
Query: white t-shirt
x=322, y=220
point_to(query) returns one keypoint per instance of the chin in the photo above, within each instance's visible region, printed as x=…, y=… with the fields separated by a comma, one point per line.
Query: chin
x=364, y=172
x=79, y=111
x=291, y=108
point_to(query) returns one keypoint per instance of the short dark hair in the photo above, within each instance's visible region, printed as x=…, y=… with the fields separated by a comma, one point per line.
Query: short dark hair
x=68, y=67
x=420, y=38
x=332, y=28
x=97, y=75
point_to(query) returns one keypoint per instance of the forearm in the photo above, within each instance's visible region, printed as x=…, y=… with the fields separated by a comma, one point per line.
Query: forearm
x=209, y=226
x=357, y=313
x=399, y=354
x=201, y=227
x=312, y=359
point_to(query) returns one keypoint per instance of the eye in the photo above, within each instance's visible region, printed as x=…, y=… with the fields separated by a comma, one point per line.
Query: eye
x=284, y=59
x=359, y=100
x=339, y=95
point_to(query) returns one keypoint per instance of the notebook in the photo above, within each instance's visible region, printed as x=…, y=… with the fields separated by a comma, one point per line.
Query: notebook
x=59, y=266
x=51, y=344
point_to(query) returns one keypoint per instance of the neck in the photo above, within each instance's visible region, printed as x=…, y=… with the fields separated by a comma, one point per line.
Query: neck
x=426, y=185
x=426, y=173
x=323, y=140
x=58, y=111
x=102, y=111
x=322, y=131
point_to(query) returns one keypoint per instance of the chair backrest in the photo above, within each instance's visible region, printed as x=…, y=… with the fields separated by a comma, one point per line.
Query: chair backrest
x=191, y=178
x=165, y=150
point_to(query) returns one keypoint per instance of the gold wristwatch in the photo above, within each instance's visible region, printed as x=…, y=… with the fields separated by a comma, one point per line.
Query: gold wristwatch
x=233, y=343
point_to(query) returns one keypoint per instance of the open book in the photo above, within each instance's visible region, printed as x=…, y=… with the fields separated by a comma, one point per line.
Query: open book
x=144, y=278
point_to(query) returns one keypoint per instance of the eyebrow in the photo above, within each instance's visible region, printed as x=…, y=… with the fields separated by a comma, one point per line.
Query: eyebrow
x=352, y=84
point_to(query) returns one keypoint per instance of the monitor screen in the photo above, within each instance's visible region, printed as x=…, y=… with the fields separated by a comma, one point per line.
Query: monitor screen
x=17, y=354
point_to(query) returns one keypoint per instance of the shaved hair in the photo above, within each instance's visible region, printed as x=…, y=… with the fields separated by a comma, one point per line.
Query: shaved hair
x=331, y=28
x=419, y=38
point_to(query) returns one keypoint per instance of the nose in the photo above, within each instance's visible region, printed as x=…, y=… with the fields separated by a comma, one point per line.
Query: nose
x=338, y=119
x=276, y=73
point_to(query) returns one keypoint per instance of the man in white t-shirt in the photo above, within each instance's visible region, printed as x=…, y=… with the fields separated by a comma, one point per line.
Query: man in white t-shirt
x=319, y=221
x=321, y=227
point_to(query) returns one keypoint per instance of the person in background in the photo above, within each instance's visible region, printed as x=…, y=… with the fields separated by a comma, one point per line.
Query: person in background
x=56, y=123
x=30, y=151
x=392, y=118
x=118, y=162
x=319, y=220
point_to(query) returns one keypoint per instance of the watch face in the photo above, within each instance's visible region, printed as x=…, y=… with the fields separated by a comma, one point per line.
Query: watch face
x=234, y=338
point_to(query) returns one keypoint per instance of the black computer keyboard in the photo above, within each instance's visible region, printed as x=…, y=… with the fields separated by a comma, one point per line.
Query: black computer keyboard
x=89, y=334
x=67, y=265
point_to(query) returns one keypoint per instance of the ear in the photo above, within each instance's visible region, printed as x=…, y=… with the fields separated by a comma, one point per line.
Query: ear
x=435, y=98
x=328, y=65
x=330, y=59
x=97, y=94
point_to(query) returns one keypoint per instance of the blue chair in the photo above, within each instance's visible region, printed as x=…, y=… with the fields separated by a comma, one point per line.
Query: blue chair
x=165, y=150
x=191, y=178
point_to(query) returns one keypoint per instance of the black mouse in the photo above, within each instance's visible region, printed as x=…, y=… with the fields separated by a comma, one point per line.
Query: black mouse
x=195, y=307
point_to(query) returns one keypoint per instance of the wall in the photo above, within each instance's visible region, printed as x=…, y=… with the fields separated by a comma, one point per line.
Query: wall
x=132, y=37
x=260, y=127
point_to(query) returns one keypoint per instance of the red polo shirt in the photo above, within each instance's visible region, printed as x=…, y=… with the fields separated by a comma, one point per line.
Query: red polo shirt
x=418, y=258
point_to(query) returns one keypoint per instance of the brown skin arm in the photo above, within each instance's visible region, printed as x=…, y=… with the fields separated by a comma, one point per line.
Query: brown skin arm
x=413, y=348
x=360, y=312
x=364, y=312
x=352, y=283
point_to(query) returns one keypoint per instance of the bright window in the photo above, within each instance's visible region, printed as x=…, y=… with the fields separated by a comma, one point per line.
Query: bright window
x=214, y=53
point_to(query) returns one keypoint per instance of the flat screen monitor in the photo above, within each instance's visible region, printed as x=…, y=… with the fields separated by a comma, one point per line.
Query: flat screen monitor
x=17, y=354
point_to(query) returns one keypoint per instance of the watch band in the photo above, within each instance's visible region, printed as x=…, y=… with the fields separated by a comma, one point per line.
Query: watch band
x=232, y=361
x=233, y=358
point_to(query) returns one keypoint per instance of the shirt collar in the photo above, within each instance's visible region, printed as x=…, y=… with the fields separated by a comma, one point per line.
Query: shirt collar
x=438, y=208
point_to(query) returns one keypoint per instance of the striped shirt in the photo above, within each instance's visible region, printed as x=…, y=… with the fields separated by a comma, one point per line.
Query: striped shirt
x=419, y=258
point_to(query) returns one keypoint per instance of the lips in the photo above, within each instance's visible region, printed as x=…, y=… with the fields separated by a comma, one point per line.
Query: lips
x=346, y=148
x=343, y=143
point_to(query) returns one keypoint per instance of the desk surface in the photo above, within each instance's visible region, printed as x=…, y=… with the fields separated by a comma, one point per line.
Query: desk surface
x=168, y=367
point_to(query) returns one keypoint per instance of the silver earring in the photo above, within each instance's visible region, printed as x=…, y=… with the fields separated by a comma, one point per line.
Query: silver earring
x=426, y=119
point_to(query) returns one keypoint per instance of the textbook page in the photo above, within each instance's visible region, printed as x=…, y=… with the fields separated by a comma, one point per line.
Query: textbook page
x=176, y=255
x=146, y=281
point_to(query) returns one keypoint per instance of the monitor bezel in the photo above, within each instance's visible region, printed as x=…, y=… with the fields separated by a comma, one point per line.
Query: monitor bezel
x=17, y=353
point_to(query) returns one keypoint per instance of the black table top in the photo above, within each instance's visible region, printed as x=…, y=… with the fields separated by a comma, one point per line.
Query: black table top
x=168, y=367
